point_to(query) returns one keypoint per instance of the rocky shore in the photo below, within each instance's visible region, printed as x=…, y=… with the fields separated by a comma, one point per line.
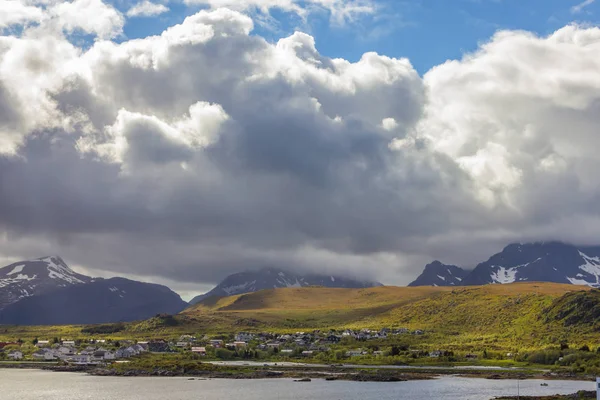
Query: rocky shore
x=576, y=396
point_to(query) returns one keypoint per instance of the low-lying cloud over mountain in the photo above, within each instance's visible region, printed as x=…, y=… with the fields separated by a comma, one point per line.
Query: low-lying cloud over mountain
x=207, y=149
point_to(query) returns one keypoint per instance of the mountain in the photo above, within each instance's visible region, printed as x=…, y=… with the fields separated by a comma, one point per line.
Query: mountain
x=540, y=262
x=438, y=274
x=273, y=278
x=29, y=278
x=100, y=301
x=530, y=262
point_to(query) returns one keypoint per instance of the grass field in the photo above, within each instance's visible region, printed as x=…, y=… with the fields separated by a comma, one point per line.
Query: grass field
x=496, y=317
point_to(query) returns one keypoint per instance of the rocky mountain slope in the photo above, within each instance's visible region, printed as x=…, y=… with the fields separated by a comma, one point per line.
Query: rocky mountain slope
x=531, y=262
x=100, y=301
x=439, y=274
x=46, y=291
x=29, y=278
x=272, y=278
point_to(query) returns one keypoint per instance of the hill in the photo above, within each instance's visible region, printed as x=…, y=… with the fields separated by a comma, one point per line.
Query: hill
x=274, y=278
x=506, y=318
x=501, y=315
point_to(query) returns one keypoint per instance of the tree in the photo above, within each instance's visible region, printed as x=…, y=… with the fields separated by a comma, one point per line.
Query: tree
x=395, y=351
x=34, y=341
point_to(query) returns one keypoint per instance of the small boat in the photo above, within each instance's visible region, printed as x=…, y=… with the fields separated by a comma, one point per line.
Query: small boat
x=543, y=384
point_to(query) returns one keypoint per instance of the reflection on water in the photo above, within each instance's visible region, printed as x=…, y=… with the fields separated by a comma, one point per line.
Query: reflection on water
x=38, y=385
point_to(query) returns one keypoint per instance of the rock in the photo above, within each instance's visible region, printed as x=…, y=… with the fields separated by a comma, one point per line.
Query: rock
x=303, y=380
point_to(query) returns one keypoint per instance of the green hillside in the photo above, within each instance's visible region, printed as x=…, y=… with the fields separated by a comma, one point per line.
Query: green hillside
x=502, y=317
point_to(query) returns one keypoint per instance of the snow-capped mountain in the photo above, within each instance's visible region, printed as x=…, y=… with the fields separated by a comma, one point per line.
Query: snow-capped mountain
x=531, y=262
x=542, y=262
x=439, y=274
x=100, y=301
x=272, y=278
x=29, y=278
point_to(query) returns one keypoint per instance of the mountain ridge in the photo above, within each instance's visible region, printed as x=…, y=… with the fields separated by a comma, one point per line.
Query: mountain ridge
x=548, y=261
x=275, y=278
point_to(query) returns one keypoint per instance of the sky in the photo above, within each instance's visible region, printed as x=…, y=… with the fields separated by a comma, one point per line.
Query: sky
x=178, y=142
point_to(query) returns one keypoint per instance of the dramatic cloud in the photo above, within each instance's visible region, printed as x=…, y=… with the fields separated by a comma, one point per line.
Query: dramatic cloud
x=206, y=149
x=147, y=9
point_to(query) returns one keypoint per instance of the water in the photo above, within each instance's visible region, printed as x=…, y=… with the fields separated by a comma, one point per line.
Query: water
x=43, y=385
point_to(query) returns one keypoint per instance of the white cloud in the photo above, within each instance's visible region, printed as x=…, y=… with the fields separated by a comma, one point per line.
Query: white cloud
x=341, y=11
x=13, y=12
x=576, y=9
x=147, y=9
x=89, y=16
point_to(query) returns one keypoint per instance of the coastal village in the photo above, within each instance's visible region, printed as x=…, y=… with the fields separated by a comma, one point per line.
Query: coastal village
x=293, y=345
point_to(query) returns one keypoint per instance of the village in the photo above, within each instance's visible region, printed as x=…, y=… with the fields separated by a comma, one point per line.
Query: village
x=292, y=345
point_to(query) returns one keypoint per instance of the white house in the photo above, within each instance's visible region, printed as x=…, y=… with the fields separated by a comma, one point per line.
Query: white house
x=66, y=350
x=42, y=343
x=199, y=350
x=244, y=337
x=44, y=355
x=15, y=355
x=68, y=343
x=79, y=358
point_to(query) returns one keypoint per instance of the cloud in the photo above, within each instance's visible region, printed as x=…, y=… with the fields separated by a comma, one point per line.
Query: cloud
x=581, y=6
x=16, y=13
x=89, y=16
x=340, y=11
x=147, y=9
x=207, y=149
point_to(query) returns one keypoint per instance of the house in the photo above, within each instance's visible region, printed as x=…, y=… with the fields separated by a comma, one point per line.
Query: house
x=244, y=337
x=158, y=346
x=435, y=354
x=68, y=343
x=44, y=356
x=103, y=355
x=354, y=353
x=66, y=350
x=238, y=344
x=216, y=343
x=418, y=332
x=182, y=345
x=471, y=356
x=199, y=350
x=15, y=355
x=42, y=343
x=307, y=353
x=273, y=345
x=333, y=339
x=79, y=358
x=287, y=351
x=378, y=353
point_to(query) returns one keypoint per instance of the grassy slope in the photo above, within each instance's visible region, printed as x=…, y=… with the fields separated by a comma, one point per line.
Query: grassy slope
x=517, y=316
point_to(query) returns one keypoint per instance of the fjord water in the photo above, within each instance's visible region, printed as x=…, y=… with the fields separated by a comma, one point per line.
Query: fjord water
x=38, y=385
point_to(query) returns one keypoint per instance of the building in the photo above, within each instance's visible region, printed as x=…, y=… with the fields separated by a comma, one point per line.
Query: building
x=216, y=343
x=15, y=355
x=199, y=350
x=238, y=344
x=244, y=337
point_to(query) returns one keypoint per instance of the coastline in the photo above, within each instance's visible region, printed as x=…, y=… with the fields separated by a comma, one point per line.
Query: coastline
x=327, y=372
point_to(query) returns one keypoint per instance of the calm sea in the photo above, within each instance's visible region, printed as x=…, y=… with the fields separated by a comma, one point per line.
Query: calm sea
x=42, y=385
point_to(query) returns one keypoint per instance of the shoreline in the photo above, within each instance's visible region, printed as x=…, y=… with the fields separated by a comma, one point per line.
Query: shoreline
x=327, y=372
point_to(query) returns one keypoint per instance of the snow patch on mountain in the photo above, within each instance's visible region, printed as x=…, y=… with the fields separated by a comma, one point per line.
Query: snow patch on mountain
x=17, y=269
x=504, y=275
